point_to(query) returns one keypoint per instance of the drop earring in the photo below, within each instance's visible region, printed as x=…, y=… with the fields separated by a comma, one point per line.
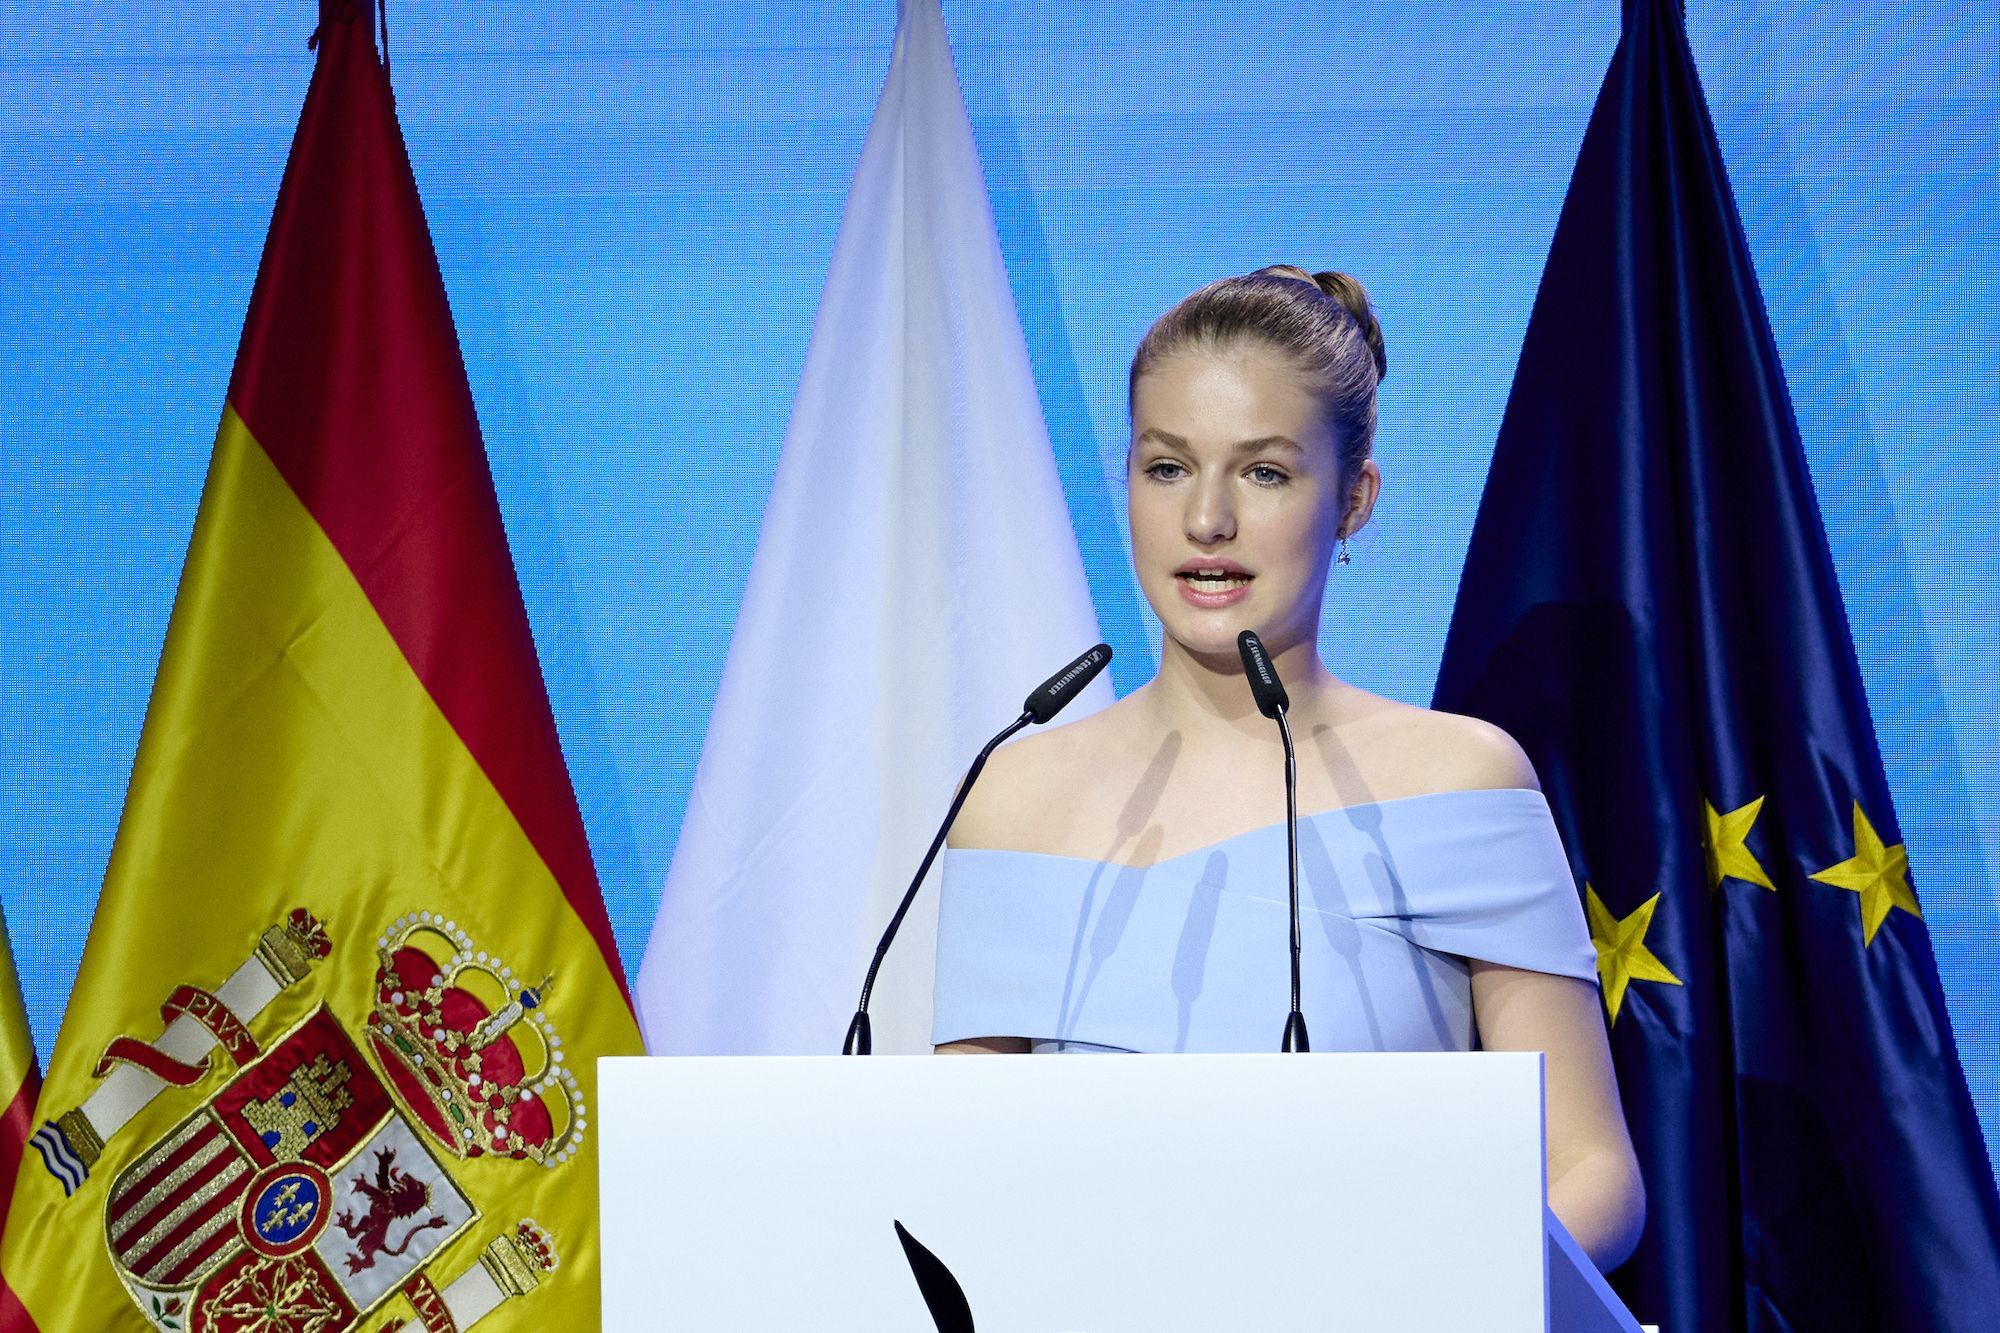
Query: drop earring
x=1343, y=558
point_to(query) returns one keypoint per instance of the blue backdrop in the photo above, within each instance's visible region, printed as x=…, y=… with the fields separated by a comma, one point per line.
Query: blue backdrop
x=634, y=206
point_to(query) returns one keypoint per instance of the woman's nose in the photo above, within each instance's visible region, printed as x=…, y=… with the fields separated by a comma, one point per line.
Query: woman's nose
x=1211, y=518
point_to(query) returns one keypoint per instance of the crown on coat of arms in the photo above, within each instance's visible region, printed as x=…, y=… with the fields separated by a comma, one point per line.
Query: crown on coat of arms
x=290, y=950
x=469, y=1046
x=518, y=1262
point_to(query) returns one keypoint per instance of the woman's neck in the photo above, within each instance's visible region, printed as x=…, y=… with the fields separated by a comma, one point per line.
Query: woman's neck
x=1202, y=695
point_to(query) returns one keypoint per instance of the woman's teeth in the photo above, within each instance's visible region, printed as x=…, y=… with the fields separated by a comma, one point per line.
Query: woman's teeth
x=1207, y=580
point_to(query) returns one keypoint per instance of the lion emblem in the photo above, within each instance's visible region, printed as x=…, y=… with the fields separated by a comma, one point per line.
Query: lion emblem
x=392, y=1196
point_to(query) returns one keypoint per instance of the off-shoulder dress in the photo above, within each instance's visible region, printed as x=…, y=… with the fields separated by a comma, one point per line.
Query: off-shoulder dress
x=1190, y=953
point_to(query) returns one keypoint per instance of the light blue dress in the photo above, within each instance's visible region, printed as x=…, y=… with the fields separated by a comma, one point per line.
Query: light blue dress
x=1190, y=954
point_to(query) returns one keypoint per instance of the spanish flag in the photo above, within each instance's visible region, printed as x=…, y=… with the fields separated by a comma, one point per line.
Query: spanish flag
x=329, y=1062
x=20, y=1085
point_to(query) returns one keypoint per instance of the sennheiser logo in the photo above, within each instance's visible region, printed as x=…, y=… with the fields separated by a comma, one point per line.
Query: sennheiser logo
x=1066, y=677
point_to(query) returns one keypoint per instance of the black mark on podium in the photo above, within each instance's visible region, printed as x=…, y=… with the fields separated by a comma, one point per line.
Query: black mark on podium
x=946, y=1299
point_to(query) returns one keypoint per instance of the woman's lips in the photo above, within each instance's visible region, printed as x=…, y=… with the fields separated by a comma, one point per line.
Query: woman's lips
x=1211, y=589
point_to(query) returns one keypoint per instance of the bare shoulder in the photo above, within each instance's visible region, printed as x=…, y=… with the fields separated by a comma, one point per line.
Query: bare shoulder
x=1036, y=788
x=1415, y=751
x=1473, y=753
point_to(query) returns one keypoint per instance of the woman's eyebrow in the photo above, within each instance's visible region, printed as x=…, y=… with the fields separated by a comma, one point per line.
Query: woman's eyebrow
x=1263, y=442
x=1173, y=441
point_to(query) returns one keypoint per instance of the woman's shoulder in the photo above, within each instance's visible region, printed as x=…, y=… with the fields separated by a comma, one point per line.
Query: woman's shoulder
x=1415, y=751
x=1036, y=788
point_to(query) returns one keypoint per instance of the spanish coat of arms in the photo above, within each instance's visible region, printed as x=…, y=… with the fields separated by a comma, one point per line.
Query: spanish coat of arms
x=315, y=1183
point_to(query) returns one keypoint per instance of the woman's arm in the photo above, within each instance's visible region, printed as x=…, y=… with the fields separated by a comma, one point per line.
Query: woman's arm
x=1594, y=1184
x=986, y=1046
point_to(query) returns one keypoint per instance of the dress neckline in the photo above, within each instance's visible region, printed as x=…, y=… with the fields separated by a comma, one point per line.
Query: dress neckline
x=1353, y=808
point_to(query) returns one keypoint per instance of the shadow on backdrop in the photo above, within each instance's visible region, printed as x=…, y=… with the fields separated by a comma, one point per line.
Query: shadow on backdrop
x=1093, y=501
x=518, y=454
x=1850, y=477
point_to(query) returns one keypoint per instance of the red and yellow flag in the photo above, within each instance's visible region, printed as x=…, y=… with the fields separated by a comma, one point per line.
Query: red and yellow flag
x=329, y=1063
x=20, y=1085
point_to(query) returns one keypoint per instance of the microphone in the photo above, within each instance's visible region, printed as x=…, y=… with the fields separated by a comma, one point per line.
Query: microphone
x=1272, y=702
x=1054, y=694
x=1265, y=687
x=1048, y=699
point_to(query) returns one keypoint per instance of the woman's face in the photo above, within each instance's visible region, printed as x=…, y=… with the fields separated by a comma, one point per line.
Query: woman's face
x=1234, y=496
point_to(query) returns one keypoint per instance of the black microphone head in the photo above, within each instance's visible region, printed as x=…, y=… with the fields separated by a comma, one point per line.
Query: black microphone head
x=1265, y=686
x=1053, y=694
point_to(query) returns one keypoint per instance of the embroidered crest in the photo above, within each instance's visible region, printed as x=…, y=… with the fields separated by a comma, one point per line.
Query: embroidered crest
x=462, y=1039
x=312, y=1186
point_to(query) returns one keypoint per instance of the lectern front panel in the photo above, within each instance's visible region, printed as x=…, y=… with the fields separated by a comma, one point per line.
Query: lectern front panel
x=1075, y=1194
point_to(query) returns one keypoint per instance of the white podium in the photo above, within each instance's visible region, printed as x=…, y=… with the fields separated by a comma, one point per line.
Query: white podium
x=1081, y=1194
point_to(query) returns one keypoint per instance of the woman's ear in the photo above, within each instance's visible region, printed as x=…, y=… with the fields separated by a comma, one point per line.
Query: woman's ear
x=1361, y=493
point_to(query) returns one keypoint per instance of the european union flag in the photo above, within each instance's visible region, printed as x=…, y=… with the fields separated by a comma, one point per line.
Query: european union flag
x=1649, y=607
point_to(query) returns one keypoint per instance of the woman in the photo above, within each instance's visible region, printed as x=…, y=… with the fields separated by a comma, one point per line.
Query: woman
x=1118, y=883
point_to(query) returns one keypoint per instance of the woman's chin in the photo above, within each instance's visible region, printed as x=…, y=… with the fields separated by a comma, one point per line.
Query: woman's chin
x=1209, y=633
x=1209, y=637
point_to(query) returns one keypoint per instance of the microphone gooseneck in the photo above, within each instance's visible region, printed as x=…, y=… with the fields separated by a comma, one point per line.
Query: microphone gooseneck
x=1272, y=702
x=1048, y=699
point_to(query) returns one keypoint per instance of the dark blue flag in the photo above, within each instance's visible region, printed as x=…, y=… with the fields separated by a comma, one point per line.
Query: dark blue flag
x=1649, y=606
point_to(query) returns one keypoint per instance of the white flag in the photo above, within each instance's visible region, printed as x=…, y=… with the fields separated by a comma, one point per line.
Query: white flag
x=915, y=578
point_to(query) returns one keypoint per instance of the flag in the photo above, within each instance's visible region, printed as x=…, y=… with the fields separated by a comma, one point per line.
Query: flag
x=1649, y=606
x=329, y=1061
x=20, y=1084
x=916, y=576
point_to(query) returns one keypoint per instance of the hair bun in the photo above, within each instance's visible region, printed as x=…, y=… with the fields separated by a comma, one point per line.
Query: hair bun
x=1354, y=297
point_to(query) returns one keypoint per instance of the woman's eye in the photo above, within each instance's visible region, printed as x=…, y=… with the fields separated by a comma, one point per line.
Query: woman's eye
x=1165, y=469
x=1266, y=475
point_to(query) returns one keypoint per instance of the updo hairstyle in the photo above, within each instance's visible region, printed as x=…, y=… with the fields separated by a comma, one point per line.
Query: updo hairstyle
x=1322, y=322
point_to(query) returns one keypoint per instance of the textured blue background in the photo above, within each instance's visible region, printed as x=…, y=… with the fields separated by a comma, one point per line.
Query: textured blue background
x=634, y=206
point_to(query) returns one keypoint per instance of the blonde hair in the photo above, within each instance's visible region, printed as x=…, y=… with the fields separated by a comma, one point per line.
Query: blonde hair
x=1323, y=322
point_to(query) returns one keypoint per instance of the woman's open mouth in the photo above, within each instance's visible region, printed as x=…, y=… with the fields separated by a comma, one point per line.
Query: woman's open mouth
x=1210, y=586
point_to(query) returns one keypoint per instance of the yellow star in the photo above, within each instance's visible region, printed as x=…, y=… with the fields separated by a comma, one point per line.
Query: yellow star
x=1722, y=842
x=1881, y=875
x=1622, y=955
